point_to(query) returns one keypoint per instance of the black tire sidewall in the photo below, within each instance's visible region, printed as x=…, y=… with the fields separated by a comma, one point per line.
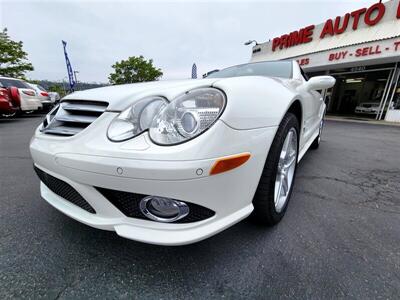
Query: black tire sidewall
x=315, y=144
x=264, y=198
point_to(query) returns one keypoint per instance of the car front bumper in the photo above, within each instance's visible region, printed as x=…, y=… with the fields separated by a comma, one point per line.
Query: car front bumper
x=88, y=160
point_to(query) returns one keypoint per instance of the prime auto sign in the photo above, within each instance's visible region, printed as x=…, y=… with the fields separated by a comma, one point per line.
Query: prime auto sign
x=355, y=55
x=365, y=17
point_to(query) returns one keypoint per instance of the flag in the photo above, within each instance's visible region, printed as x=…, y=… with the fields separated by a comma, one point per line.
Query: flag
x=194, y=71
x=69, y=67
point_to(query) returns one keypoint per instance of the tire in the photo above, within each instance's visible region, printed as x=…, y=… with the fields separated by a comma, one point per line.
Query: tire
x=315, y=144
x=265, y=209
x=9, y=115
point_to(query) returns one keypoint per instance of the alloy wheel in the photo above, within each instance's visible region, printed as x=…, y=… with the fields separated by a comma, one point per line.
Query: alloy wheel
x=286, y=169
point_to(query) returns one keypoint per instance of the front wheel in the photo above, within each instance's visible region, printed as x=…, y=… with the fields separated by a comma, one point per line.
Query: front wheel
x=276, y=183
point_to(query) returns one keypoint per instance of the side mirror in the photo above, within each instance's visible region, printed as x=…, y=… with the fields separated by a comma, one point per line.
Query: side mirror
x=319, y=83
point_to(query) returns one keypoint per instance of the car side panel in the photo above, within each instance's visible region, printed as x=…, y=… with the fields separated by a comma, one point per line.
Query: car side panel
x=313, y=102
x=255, y=102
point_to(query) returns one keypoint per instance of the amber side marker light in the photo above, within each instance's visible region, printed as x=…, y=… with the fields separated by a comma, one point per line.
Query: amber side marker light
x=229, y=163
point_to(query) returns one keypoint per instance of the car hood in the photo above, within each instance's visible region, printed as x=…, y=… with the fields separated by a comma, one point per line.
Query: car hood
x=120, y=97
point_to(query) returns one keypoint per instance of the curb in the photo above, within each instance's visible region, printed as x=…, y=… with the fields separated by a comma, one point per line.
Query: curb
x=371, y=122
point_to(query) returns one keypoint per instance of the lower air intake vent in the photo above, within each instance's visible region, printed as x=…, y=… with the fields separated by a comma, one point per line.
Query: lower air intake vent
x=72, y=116
x=64, y=190
x=128, y=204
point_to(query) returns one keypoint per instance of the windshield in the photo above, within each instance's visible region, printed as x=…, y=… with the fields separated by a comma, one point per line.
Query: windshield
x=14, y=82
x=269, y=69
x=40, y=88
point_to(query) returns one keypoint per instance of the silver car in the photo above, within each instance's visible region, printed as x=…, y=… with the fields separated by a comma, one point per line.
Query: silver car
x=55, y=97
x=370, y=108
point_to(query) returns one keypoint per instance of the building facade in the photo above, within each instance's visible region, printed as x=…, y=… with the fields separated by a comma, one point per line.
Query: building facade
x=361, y=49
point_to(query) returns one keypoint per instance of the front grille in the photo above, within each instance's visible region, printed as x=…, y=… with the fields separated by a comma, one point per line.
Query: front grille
x=128, y=204
x=72, y=116
x=64, y=190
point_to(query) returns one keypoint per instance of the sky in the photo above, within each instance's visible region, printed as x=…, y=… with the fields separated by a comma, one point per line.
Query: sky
x=175, y=34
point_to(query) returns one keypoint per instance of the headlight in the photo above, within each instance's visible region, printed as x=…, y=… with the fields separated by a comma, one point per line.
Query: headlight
x=187, y=116
x=135, y=119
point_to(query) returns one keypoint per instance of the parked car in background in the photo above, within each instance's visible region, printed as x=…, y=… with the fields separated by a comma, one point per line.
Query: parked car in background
x=370, y=108
x=43, y=95
x=8, y=107
x=55, y=97
x=28, y=97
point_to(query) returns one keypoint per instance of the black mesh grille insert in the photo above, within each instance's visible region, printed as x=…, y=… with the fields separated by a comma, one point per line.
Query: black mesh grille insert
x=64, y=190
x=128, y=204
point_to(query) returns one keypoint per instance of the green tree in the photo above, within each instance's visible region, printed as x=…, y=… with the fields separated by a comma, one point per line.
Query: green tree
x=13, y=59
x=34, y=81
x=134, y=69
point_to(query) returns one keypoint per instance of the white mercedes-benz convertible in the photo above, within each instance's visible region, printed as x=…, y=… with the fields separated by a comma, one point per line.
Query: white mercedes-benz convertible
x=174, y=162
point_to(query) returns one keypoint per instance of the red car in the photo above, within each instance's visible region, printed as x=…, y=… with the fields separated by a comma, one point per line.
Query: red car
x=9, y=101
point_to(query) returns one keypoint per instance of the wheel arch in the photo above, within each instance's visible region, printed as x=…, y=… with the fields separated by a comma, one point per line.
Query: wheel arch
x=296, y=108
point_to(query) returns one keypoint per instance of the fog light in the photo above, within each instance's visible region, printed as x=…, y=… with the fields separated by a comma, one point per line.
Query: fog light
x=163, y=209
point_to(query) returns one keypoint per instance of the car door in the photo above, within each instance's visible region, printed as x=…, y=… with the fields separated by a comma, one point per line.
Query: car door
x=313, y=103
x=319, y=107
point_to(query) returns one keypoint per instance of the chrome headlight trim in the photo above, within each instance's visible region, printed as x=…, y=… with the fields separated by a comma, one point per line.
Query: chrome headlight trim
x=206, y=105
x=131, y=122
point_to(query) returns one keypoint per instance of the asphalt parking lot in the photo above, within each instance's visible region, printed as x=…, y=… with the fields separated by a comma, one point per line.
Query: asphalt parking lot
x=340, y=237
